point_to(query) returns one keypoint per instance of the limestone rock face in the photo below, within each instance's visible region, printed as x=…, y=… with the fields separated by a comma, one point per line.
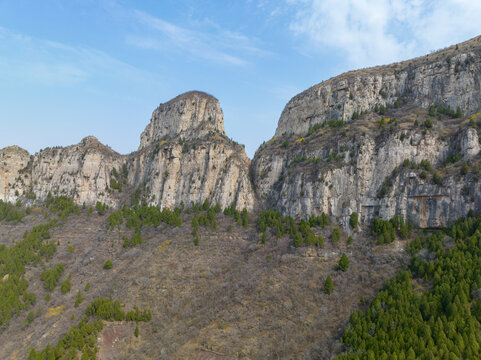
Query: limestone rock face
x=185, y=156
x=373, y=164
x=12, y=160
x=190, y=115
x=181, y=171
x=372, y=175
x=303, y=189
x=81, y=171
x=450, y=77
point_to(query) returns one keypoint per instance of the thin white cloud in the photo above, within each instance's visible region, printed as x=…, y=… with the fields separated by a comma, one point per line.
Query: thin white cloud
x=52, y=63
x=219, y=46
x=369, y=32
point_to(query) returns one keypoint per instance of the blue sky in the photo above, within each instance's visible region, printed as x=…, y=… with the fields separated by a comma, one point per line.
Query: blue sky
x=69, y=69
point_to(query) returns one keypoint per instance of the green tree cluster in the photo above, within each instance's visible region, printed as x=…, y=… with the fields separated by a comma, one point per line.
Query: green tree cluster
x=142, y=215
x=446, y=110
x=386, y=229
x=81, y=340
x=110, y=310
x=205, y=215
x=236, y=214
x=118, y=178
x=134, y=240
x=62, y=205
x=301, y=233
x=14, y=296
x=443, y=321
x=52, y=276
x=101, y=208
x=8, y=212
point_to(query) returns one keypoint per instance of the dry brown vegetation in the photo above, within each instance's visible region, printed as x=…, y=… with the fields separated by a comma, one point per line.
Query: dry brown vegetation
x=229, y=297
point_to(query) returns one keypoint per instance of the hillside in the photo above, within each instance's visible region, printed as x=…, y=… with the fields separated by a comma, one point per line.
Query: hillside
x=230, y=295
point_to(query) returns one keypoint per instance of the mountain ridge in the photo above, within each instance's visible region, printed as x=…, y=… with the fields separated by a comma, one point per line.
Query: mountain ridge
x=186, y=140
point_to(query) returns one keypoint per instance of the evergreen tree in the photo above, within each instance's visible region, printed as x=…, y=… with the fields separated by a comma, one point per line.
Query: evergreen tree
x=353, y=220
x=298, y=239
x=79, y=298
x=329, y=285
x=343, y=262
x=336, y=235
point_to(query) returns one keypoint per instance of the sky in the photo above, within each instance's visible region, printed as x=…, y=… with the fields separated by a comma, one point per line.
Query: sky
x=69, y=69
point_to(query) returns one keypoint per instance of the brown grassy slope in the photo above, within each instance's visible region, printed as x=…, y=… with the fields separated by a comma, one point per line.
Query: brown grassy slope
x=228, y=298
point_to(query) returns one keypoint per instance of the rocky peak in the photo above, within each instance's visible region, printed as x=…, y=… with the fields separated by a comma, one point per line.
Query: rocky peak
x=450, y=77
x=12, y=160
x=89, y=141
x=192, y=114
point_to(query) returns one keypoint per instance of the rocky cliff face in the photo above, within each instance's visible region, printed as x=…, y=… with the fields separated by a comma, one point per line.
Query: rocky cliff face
x=191, y=115
x=450, y=77
x=184, y=156
x=80, y=171
x=177, y=170
x=12, y=160
x=375, y=175
x=316, y=165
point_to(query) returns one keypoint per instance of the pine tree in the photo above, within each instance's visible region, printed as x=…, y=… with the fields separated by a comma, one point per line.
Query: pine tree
x=79, y=299
x=329, y=285
x=343, y=262
x=245, y=219
x=298, y=239
x=353, y=220
x=336, y=235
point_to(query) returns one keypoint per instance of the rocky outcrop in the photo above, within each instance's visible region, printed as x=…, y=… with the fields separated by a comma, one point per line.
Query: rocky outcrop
x=81, y=171
x=190, y=115
x=13, y=160
x=374, y=162
x=375, y=173
x=181, y=171
x=184, y=156
x=357, y=165
x=450, y=77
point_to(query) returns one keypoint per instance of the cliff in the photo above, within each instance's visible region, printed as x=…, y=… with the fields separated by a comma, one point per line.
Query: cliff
x=12, y=160
x=192, y=115
x=450, y=77
x=395, y=140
